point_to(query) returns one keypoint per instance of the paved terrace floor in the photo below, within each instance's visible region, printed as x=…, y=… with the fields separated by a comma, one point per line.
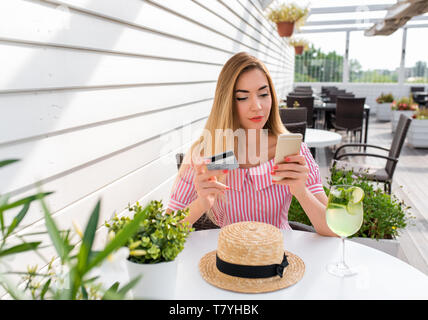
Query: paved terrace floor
x=410, y=184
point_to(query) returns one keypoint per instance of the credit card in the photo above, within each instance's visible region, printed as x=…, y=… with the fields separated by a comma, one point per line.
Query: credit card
x=223, y=161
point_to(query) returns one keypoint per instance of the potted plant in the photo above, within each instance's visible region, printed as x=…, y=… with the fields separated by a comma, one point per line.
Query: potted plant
x=299, y=45
x=286, y=17
x=417, y=136
x=153, y=248
x=74, y=277
x=384, y=214
x=383, y=103
x=406, y=106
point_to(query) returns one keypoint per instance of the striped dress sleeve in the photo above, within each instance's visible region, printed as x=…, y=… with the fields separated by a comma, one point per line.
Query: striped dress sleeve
x=183, y=192
x=314, y=182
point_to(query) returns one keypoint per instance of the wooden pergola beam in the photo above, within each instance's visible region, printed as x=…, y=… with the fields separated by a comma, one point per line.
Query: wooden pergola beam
x=344, y=29
x=372, y=7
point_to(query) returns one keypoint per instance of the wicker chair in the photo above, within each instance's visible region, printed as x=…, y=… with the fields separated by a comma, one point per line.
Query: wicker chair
x=383, y=175
x=293, y=115
x=297, y=127
x=349, y=115
x=305, y=102
x=204, y=223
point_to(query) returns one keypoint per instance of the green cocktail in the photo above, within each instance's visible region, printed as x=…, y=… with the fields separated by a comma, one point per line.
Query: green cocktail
x=345, y=210
x=344, y=217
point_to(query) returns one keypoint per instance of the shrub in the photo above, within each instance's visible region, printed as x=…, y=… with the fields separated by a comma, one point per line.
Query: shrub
x=384, y=215
x=160, y=236
x=385, y=98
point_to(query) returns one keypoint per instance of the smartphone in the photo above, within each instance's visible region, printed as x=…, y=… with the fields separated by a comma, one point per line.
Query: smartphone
x=287, y=144
x=223, y=161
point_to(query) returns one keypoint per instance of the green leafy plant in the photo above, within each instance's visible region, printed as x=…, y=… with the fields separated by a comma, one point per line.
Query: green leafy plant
x=385, y=98
x=289, y=12
x=421, y=114
x=384, y=215
x=160, y=236
x=74, y=280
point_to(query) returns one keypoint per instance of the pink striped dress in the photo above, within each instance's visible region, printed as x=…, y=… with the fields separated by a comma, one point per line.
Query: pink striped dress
x=252, y=195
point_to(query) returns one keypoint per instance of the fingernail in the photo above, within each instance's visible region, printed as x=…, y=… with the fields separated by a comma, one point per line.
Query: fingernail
x=225, y=171
x=287, y=159
x=275, y=167
x=227, y=188
x=272, y=173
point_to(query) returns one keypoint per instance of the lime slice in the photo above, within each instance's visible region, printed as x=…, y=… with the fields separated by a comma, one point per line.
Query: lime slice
x=354, y=208
x=357, y=195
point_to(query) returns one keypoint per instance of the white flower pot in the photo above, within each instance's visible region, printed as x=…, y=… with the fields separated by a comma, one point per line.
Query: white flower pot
x=383, y=112
x=395, y=115
x=158, y=280
x=389, y=246
x=417, y=135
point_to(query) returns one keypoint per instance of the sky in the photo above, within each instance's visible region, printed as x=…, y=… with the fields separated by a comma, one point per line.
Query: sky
x=377, y=52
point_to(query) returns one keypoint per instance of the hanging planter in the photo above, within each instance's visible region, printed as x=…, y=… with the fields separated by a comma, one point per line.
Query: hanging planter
x=285, y=29
x=298, y=49
x=299, y=45
x=287, y=17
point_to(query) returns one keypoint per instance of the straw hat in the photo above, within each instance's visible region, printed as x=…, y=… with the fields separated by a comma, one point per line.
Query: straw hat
x=252, y=259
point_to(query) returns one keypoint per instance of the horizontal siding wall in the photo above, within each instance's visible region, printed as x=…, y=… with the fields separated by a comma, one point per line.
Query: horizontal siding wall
x=97, y=97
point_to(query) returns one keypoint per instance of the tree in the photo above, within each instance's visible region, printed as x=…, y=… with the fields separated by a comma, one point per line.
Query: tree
x=420, y=69
x=316, y=66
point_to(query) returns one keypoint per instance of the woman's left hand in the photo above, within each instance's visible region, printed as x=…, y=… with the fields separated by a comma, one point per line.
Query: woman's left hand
x=295, y=172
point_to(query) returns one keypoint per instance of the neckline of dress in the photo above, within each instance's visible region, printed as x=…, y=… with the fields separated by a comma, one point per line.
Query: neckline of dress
x=261, y=164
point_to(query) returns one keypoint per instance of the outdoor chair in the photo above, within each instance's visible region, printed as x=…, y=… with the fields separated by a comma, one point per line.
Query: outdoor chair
x=306, y=102
x=336, y=93
x=349, y=115
x=306, y=90
x=204, y=223
x=417, y=89
x=294, y=119
x=297, y=127
x=383, y=175
x=301, y=93
x=292, y=115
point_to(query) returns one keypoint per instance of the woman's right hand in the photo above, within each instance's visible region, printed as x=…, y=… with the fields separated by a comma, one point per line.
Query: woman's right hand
x=206, y=184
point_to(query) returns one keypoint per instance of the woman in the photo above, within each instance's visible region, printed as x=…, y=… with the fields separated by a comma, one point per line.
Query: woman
x=245, y=101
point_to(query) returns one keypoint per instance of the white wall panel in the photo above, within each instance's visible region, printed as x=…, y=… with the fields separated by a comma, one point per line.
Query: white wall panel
x=97, y=97
x=43, y=114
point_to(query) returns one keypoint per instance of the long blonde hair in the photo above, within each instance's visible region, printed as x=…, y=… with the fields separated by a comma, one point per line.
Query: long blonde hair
x=223, y=114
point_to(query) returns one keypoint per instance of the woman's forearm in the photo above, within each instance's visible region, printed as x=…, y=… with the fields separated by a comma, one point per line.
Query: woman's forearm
x=195, y=211
x=315, y=208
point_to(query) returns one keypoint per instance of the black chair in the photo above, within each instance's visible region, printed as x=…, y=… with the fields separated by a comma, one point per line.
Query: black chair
x=305, y=102
x=334, y=94
x=300, y=93
x=292, y=115
x=204, y=223
x=297, y=127
x=305, y=90
x=349, y=115
x=417, y=89
x=294, y=119
x=383, y=175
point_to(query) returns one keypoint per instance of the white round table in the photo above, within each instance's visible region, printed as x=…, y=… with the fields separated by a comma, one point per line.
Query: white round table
x=381, y=276
x=316, y=138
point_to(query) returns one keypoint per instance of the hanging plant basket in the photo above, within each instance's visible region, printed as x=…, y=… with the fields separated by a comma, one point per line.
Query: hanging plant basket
x=285, y=29
x=298, y=49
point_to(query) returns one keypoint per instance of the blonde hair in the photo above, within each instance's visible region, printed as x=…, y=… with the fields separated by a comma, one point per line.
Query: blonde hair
x=223, y=114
